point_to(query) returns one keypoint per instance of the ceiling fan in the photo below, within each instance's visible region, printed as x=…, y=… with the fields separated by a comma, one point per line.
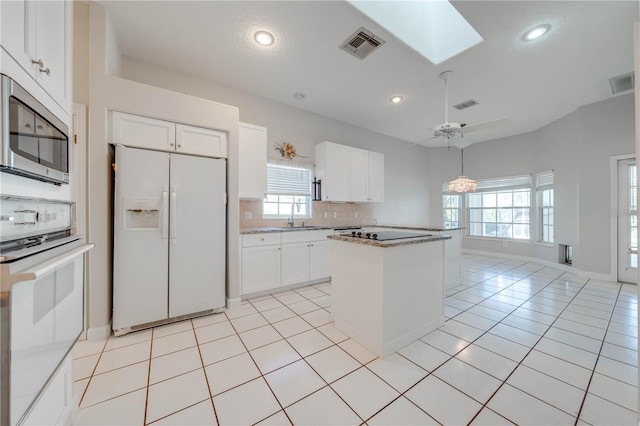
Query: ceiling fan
x=456, y=131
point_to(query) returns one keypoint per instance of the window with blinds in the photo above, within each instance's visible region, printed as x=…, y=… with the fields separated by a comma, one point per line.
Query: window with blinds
x=288, y=188
x=544, y=191
x=500, y=208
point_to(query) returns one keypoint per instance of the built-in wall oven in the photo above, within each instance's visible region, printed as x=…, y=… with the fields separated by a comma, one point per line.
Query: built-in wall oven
x=41, y=299
x=35, y=143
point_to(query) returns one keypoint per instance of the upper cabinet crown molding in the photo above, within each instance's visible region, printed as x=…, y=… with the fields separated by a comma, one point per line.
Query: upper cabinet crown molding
x=349, y=174
x=150, y=133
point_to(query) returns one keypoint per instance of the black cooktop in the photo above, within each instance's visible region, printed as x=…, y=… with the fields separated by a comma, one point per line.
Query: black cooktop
x=384, y=235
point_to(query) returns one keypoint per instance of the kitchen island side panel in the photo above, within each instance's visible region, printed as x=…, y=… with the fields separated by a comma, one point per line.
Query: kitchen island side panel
x=356, y=291
x=387, y=297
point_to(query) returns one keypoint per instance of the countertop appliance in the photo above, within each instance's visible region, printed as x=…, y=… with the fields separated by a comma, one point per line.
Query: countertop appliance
x=384, y=235
x=41, y=299
x=169, y=237
x=35, y=143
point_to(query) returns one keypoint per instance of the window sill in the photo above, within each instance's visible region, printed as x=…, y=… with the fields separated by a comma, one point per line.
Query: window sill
x=509, y=240
x=543, y=244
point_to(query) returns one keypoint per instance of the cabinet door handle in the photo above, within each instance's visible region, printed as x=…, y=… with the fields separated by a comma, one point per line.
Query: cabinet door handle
x=47, y=71
x=39, y=62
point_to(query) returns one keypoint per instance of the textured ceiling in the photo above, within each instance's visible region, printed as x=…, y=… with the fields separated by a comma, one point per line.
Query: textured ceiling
x=532, y=83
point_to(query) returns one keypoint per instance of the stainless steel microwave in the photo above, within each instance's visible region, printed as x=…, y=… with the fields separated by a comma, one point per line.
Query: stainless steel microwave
x=35, y=143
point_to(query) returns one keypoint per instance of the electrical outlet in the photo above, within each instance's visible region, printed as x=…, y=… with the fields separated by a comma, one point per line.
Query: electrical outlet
x=355, y=215
x=335, y=215
x=248, y=215
x=505, y=244
x=325, y=215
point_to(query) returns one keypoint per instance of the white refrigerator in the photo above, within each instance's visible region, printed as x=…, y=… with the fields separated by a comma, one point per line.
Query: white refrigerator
x=169, y=237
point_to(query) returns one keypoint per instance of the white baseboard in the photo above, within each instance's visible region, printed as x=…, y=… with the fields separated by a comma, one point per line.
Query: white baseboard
x=234, y=303
x=560, y=266
x=99, y=333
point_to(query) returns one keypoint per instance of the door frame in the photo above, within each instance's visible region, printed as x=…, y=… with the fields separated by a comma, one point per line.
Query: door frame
x=613, y=224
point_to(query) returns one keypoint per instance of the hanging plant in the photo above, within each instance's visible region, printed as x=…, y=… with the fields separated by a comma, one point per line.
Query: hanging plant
x=287, y=150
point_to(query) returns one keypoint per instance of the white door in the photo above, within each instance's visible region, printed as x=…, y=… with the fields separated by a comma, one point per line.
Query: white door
x=320, y=260
x=295, y=263
x=359, y=174
x=627, y=221
x=140, y=246
x=197, y=234
x=376, y=177
x=260, y=268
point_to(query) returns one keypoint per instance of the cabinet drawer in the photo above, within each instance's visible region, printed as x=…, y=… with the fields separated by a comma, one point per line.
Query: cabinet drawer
x=254, y=240
x=302, y=236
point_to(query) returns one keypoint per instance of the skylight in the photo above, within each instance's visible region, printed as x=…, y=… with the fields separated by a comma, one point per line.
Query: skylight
x=434, y=29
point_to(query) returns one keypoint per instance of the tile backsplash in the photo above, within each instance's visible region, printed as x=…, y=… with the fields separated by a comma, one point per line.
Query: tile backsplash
x=346, y=214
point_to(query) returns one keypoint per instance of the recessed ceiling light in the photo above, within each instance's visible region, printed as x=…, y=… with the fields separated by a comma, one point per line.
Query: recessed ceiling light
x=536, y=32
x=396, y=99
x=263, y=38
x=299, y=95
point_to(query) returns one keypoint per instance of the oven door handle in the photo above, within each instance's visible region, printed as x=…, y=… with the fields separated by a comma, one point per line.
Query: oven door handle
x=8, y=279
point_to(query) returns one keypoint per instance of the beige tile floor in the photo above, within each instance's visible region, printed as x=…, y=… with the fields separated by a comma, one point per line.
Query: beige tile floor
x=523, y=344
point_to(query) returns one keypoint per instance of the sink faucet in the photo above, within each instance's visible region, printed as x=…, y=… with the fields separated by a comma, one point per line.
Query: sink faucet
x=290, y=220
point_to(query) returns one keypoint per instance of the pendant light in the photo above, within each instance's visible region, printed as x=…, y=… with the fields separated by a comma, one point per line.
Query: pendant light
x=463, y=183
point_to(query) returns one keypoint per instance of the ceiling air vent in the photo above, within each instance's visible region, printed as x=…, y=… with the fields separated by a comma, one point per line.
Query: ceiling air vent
x=622, y=83
x=362, y=43
x=466, y=104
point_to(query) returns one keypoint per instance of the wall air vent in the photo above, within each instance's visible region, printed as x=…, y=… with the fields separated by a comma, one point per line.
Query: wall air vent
x=466, y=104
x=622, y=83
x=362, y=43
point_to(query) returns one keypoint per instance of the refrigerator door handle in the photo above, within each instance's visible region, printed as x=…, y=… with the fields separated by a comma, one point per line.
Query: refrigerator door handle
x=165, y=213
x=172, y=216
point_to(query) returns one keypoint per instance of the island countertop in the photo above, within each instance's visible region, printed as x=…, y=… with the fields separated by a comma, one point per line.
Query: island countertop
x=390, y=243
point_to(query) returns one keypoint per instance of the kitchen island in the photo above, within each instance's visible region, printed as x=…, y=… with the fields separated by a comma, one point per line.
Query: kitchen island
x=388, y=292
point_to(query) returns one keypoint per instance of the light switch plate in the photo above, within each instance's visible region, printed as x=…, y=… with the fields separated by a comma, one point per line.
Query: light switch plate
x=325, y=215
x=335, y=215
x=248, y=215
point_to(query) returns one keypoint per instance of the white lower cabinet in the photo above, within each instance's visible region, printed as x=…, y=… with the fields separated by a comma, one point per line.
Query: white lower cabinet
x=319, y=260
x=260, y=262
x=280, y=259
x=295, y=263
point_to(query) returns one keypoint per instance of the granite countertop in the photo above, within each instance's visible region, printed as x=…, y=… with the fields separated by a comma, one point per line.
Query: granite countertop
x=391, y=243
x=269, y=229
x=420, y=228
x=298, y=228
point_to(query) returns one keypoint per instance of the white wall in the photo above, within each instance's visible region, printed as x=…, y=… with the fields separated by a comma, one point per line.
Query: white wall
x=406, y=171
x=578, y=147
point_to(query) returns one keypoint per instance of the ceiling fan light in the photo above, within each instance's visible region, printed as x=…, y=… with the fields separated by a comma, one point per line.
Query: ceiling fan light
x=462, y=184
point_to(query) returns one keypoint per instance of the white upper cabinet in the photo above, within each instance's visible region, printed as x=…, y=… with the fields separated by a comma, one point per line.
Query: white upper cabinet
x=37, y=37
x=375, y=177
x=150, y=133
x=332, y=167
x=349, y=174
x=142, y=132
x=359, y=174
x=253, y=161
x=200, y=141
